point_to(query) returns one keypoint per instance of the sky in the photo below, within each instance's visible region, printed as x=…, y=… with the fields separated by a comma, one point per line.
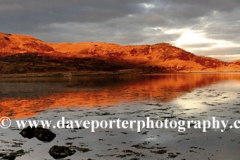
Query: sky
x=203, y=27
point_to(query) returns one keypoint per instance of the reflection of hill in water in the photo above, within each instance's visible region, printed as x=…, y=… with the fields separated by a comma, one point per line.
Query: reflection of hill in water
x=25, y=97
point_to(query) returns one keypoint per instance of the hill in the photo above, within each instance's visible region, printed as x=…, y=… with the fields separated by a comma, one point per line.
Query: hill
x=26, y=54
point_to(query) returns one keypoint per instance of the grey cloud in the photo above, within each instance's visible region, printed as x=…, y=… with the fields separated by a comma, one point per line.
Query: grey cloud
x=225, y=26
x=29, y=15
x=207, y=5
x=198, y=45
x=122, y=21
x=223, y=51
x=105, y=33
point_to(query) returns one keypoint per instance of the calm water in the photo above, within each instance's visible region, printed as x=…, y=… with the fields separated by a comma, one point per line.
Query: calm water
x=178, y=96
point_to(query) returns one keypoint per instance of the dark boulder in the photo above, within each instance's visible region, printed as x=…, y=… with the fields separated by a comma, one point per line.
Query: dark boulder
x=28, y=132
x=42, y=134
x=58, y=152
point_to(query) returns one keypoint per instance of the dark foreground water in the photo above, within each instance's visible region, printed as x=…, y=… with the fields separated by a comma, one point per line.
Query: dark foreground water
x=172, y=96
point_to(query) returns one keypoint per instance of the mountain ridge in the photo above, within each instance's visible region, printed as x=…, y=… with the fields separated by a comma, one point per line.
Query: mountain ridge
x=26, y=54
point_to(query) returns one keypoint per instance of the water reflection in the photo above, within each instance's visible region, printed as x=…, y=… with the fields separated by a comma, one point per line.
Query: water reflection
x=25, y=97
x=176, y=96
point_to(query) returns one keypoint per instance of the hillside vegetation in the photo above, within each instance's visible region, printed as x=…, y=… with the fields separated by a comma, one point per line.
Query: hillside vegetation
x=26, y=54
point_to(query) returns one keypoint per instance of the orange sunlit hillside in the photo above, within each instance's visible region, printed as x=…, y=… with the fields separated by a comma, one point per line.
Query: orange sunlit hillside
x=31, y=55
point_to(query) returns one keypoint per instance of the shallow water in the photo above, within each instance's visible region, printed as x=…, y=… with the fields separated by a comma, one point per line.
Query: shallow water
x=176, y=96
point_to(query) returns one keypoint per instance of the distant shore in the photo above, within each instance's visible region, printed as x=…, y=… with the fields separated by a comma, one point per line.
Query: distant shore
x=69, y=74
x=94, y=73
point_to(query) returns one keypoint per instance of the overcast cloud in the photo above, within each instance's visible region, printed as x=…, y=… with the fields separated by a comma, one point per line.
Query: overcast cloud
x=204, y=27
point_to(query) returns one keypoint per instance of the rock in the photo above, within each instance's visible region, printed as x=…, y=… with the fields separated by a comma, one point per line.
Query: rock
x=13, y=155
x=28, y=132
x=58, y=152
x=9, y=157
x=44, y=135
x=161, y=151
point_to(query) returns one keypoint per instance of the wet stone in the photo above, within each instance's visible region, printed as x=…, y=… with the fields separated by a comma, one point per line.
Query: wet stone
x=58, y=152
x=13, y=155
x=42, y=134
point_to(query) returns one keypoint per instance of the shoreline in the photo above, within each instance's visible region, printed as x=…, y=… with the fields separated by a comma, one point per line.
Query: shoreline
x=69, y=74
x=96, y=73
